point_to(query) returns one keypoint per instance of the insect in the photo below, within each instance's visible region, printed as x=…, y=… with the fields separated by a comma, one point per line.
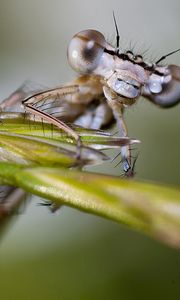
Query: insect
x=109, y=81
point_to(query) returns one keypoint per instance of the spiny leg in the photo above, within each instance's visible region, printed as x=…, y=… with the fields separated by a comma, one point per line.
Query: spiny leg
x=31, y=104
x=117, y=108
x=102, y=115
x=126, y=155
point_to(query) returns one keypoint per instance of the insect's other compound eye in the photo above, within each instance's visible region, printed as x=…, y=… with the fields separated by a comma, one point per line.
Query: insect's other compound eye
x=85, y=50
x=155, y=84
x=166, y=94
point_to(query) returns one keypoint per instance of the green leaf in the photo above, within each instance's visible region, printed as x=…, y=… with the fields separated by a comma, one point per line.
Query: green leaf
x=24, y=124
x=149, y=208
x=37, y=158
x=26, y=141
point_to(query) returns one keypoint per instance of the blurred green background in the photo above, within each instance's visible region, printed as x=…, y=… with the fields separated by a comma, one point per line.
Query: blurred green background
x=72, y=255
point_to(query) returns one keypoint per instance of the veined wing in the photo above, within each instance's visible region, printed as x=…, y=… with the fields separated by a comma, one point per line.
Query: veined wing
x=14, y=100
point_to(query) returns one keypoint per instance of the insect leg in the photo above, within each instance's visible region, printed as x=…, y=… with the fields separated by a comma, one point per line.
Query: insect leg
x=117, y=108
x=31, y=102
x=10, y=199
x=125, y=150
x=96, y=117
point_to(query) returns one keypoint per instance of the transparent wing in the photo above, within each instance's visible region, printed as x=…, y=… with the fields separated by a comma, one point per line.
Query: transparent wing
x=14, y=100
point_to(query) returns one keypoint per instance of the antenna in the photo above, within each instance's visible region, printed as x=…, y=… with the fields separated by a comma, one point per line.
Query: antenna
x=164, y=56
x=117, y=34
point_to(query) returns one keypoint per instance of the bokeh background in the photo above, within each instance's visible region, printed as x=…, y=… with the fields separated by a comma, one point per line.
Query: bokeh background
x=73, y=255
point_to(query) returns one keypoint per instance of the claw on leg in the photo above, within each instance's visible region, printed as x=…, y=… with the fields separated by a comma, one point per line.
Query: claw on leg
x=129, y=172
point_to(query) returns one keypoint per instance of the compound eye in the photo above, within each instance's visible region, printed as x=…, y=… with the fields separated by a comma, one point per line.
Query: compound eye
x=170, y=94
x=85, y=50
x=155, y=84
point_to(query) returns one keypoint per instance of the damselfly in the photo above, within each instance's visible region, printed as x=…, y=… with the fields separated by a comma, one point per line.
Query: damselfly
x=109, y=81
